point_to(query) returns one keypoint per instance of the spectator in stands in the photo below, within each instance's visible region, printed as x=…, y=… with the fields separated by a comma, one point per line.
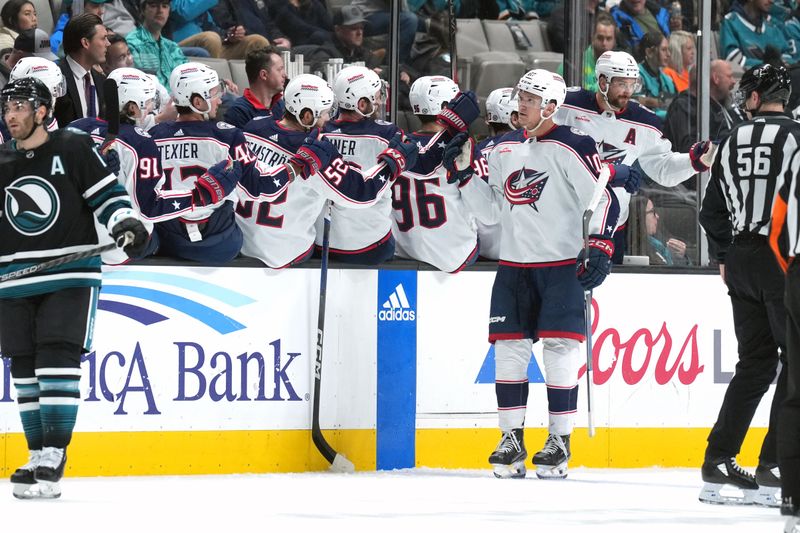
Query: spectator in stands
x=152, y=52
x=304, y=21
x=348, y=41
x=266, y=75
x=121, y=16
x=85, y=46
x=524, y=9
x=681, y=124
x=95, y=7
x=30, y=43
x=749, y=36
x=378, y=18
x=646, y=238
x=118, y=54
x=17, y=15
x=791, y=30
x=603, y=40
x=253, y=16
x=556, y=26
x=657, y=88
x=682, y=53
x=636, y=18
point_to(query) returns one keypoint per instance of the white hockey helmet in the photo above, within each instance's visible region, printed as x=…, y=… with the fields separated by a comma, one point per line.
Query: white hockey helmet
x=615, y=64
x=428, y=94
x=135, y=86
x=545, y=84
x=354, y=83
x=41, y=69
x=307, y=91
x=500, y=104
x=194, y=78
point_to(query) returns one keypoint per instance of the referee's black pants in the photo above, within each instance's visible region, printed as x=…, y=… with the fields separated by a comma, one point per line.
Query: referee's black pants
x=756, y=287
x=789, y=435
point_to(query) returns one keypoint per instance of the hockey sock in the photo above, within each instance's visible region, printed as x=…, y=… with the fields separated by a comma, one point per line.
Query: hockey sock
x=511, y=381
x=27, y=387
x=561, y=358
x=59, y=399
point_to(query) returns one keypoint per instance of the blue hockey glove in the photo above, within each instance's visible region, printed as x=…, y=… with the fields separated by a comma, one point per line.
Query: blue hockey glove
x=625, y=176
x=460, y=112
x=399, y=155
x=592, y=270
x=111, y=157
x=314, y=155
x=218, y=182
x=458, y=158
x=702, y=155
x=125, y=223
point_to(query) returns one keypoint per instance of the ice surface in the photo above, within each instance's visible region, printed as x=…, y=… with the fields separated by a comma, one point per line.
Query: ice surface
x=413, y=501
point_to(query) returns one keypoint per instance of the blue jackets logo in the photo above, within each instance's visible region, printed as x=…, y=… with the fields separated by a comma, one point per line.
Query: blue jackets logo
x=397, y=307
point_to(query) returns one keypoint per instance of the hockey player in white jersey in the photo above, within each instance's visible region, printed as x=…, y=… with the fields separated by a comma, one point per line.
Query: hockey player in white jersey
x=433, y=219
x=544, y=176
x=282, y=233
x=626, y=132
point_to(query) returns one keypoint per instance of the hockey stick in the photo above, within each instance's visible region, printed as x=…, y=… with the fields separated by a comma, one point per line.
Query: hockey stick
x=125, y=240
x=451, y=9
x=339, y=463
x=599, y=189
x=111, y=97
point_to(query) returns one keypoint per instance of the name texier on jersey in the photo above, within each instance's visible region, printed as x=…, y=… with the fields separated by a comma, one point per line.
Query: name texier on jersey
x=634, y=134
x=543, y=185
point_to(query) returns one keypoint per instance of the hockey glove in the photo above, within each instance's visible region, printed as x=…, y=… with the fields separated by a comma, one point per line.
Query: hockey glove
x=702, y=155
x=460, y=112
x=594, y=268
x=111, y=157
x=126, y=221
x=314, y=155
x=217, y=183
x=625, y=176
x=400, y=155
x=458, y=158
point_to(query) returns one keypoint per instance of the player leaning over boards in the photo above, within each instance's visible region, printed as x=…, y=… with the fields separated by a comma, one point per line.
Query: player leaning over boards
x=545, y=176
x=54, y=185
x=626, y=132
x=736, y=215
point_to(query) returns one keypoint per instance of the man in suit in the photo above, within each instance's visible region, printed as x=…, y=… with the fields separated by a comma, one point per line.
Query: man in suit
x=85, y=46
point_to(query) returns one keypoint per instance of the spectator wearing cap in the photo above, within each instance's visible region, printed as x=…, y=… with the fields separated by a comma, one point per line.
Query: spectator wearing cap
x=304, y=21
x=378, y=19
x=348, y=41
x=30, y=43
x=17, y=15
x=71, y=9
x=85, y=46
x=152, y=52
x=266, y=75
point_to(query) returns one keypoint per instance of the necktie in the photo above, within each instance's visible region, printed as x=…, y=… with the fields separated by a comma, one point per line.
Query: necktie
x=89, y=91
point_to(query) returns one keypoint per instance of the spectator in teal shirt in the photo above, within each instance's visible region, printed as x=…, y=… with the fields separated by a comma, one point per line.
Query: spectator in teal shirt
x=152, y=52
x=658, y=90
x=747, y=33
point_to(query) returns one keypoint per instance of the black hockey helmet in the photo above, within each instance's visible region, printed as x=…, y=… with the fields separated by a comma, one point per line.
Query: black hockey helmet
x=772, y=83
x=30, y=89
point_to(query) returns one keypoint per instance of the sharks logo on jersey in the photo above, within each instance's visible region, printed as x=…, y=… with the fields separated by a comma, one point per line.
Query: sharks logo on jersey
x=525, y=186
x=31, y=205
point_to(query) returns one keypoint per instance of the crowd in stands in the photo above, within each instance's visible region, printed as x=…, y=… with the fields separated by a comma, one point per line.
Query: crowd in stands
x=92, y=38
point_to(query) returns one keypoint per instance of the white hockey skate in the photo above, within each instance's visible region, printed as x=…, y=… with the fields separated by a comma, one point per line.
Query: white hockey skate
x=49, y=472
x=22, y=480
x=551, y=462
x=508, y=459
x=727, y=483
x=769, y=486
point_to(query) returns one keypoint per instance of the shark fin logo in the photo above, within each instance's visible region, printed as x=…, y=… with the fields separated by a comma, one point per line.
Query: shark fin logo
x=486, y=373
x=31, y=205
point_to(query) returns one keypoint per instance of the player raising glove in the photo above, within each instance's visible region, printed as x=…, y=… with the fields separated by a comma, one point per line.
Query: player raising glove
x=625, y=176
x=314, y=154
x=458, y=158
x=702, y=155
x=399, y=155
x=460, y=112
x=594, y=266
x=124, y=225
x=216, y=183
x=111, y=157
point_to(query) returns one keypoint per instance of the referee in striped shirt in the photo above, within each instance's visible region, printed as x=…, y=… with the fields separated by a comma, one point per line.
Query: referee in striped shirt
x=736, y=214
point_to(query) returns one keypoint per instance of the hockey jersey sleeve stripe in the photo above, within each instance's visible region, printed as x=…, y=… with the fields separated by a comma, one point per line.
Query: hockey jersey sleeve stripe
x=105, y=182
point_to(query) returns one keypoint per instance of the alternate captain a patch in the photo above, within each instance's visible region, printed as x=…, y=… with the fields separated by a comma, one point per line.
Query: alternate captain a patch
x=31, y=205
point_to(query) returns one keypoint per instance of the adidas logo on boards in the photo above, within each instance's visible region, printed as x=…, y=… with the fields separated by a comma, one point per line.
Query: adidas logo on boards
x=397, y=308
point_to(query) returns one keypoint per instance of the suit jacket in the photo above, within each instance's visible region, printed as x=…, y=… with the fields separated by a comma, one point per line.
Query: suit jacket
x=68, y=107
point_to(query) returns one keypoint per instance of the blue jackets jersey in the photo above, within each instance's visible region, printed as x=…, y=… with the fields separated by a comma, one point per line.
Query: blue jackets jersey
x=247, y=107
x=488, y=234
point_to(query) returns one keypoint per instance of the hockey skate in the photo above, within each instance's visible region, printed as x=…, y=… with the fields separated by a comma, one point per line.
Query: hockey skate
x=509, y=457
x=769, y=483
x=551, y=461
x=50, y=471
x=725, y=473
x=22, y=480
x=792, y=510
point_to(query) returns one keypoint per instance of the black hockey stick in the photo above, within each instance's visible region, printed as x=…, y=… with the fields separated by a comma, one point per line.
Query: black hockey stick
x=451, y=13
x=111, y=97
x=126, y=239
x=339, y=463
x=599, y=189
